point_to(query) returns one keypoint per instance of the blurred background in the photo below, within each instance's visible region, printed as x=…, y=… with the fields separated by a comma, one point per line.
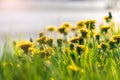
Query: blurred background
x=26, y=18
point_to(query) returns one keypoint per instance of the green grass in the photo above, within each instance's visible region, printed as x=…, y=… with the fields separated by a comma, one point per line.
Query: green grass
x=89, y=62
x=24, y=67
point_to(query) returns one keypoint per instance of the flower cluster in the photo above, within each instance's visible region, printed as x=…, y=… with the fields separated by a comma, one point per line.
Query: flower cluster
x=82, y=49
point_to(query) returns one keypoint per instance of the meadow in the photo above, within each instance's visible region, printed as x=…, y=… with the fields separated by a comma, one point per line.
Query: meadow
x=83, y=52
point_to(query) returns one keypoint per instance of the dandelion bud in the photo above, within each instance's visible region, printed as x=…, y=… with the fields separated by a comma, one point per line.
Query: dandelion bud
x=14, y=42
x=31, y=40
x=110, y=15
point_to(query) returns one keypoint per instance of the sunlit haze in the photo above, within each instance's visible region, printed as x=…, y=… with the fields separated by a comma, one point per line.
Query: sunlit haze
x=10, y=4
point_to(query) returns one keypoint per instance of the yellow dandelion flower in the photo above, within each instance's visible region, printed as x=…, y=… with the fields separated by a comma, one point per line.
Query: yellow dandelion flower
x=66, y=25
x=116, y=38
x=47, y=52
x=92, y=33
x=77, y=39
x=73, y=28
x=52, y=78
x=41, y=40
x=74, y=40
x=73, y=67
x=84, y=33
x=62, y=30
x=34, y=51
x=90, y=24
x=80, y=24
x=50, y=50
x=24, y=45
x=112, y=43
x=106, y=18
x=103, y=46
x=49, y=41
x=51, y=28
x=104, y=28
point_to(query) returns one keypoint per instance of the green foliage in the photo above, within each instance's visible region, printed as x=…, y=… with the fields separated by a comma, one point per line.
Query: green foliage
x=68, y=59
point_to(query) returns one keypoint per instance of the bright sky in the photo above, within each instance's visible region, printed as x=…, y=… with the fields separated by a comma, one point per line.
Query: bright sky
x=8, y=4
